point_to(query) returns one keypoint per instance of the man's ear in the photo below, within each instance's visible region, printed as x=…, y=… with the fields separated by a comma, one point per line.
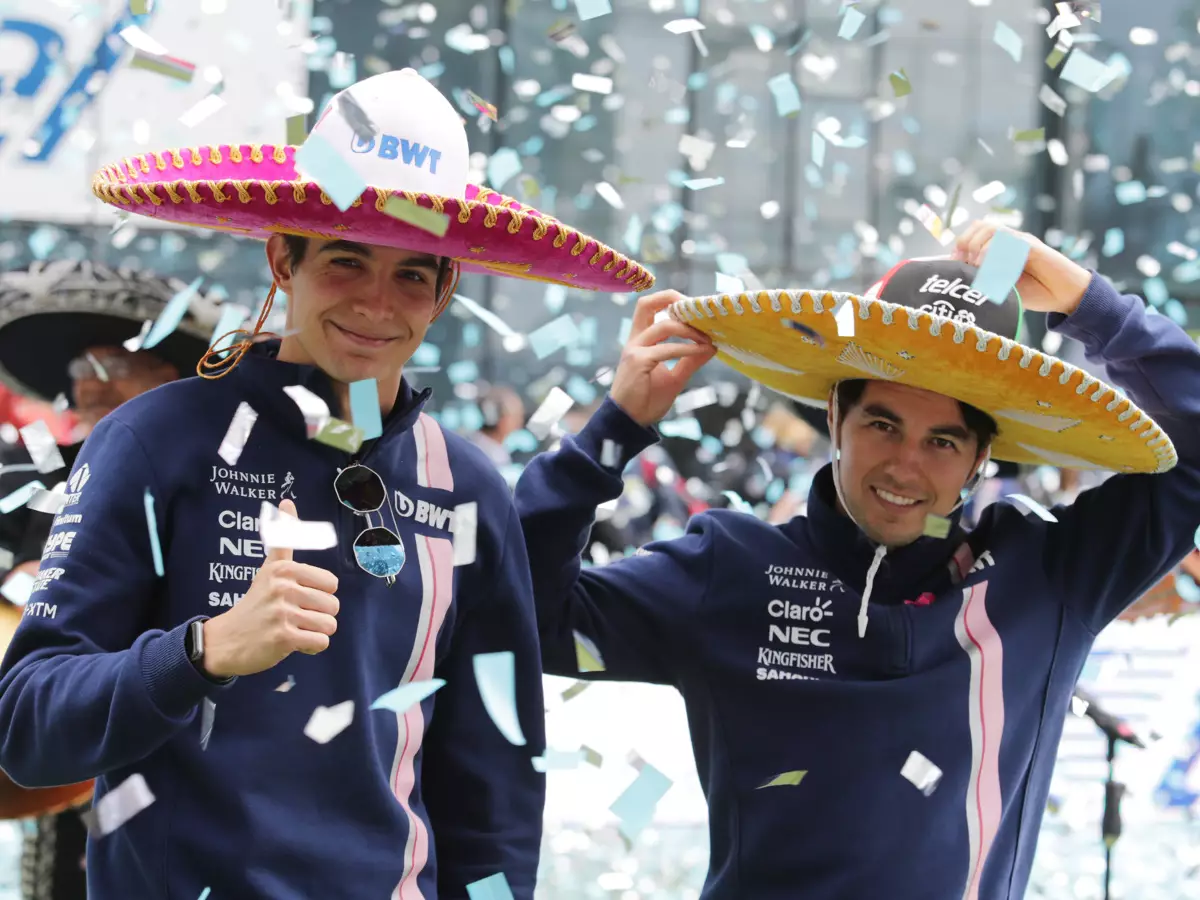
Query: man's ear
x=280, y=262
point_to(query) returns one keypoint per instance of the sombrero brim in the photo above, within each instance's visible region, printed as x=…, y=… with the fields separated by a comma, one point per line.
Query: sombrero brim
x=1048, y=411
x=255, y=191
x=36, y=349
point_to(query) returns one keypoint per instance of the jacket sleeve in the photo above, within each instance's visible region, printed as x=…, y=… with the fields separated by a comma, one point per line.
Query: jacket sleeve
x=484, y=798
x=85, y=688
x=1119, y=538
x=635, y=610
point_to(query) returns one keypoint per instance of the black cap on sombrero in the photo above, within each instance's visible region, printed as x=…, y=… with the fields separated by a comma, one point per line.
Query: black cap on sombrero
x=52, y=312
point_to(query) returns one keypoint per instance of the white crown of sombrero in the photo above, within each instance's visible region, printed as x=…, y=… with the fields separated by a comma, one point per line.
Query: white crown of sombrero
x=395, y=134
x=923, y=325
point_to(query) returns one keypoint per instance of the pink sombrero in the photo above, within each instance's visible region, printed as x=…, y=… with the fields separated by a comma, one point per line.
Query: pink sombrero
x=396, y=133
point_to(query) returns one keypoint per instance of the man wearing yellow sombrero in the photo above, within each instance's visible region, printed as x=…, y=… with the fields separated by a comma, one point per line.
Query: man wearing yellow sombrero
x=393, y=754
x=876, y=695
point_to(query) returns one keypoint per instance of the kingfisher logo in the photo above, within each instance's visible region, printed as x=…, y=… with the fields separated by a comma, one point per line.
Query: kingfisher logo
x=392, y=147
x=958, y=289
x=425, y=513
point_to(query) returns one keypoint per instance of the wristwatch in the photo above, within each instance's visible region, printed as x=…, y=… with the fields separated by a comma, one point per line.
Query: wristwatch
x=193, y=643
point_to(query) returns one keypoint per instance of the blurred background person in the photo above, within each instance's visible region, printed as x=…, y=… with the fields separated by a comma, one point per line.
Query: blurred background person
x=503, y=413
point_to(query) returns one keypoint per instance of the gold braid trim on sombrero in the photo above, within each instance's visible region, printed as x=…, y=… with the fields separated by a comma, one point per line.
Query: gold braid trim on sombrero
x=122, y=184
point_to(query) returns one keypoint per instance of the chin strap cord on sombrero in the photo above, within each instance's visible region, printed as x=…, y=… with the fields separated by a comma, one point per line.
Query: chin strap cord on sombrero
x=219, y=363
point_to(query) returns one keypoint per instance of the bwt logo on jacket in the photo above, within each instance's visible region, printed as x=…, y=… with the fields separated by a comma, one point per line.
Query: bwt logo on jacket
x=958, y=289
x=425, y=513
x=392, y=147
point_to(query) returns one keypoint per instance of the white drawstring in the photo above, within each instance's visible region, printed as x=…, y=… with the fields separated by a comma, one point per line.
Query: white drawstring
x=880, y=552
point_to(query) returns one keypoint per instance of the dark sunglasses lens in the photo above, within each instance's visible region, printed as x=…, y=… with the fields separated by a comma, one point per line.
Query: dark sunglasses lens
x=380, y=552
x=360, y=489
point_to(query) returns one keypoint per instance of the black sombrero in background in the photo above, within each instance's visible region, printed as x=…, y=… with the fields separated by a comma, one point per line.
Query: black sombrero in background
x=52, y=312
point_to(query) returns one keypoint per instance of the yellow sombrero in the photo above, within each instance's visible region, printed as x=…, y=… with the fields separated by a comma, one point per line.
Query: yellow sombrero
x=923, y=326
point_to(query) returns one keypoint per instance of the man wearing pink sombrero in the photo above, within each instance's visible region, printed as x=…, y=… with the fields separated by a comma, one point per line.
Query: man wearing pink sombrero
x=876, y=693
x=298, y=653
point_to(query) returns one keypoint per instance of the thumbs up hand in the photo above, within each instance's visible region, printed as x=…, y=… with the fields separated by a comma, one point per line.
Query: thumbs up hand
x=290, y=606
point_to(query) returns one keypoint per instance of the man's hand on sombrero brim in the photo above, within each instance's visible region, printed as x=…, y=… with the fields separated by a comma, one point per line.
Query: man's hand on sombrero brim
x=1050, y=282
x=644, y=386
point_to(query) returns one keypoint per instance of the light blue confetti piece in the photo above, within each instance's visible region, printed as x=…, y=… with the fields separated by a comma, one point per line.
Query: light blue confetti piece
x=521, y=441
x=624, y=331
x=700, y=184
x=558, y=760
x=495, y=887
x=471, y=418
x=697, y=81
x=317, y=159
x=588, y=330
x=732, y=263
x=581, y=390
x=204, y=894
x=462, y=371
x=231, y=318
x=155, y=546
x=775, y=490
x=472, y=334
x=818, y=149
x=903, y=163
x=433, y=71
x=427, y=355
x=851, y=22
x=1003, y=264
x=1114, y=242
x=586, y=123
x=763, y=37
x=687, y=428
x=171, y=315
x=677, y=115
x=1187, y=272
x=495, y=673
x=533, y=146
x=635, y=806
x=666, y=530
x=20, y=497
x=727, y=284
x=736, y=501
x=1186, y=588
x=556, y=297
x=554, y=335
x=504, y=164
x=1130, y=192
x=401, y=698
x=691, y=8
x=852, y=142
x=1008, y=41
x=1087, y=72
x=578, y=356
x=786, y=94
x=554, y=95
x=1196, y=538
x=1155, y=290
x=43, y=240
x=633, y=234
x=1033, y=506
x=813, y=175
x=508, y=59
x=592, y=9
x=1176, y=312
x=364, y=408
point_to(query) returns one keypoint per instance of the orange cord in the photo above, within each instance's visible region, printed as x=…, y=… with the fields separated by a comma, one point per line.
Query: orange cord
x=219, y=363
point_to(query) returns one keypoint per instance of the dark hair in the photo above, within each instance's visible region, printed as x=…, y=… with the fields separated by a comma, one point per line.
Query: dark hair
x=297, y=247
x=979, y=423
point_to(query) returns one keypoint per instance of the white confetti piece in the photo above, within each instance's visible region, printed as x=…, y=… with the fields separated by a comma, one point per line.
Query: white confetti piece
x=699, y=398
x=466, y=523
x=313, y=408
x=208, y=713
x=988, y=192
x=610, y=195
x=42, y=447
x=402, y=698
x=238, y=433
x=610, y=454
x=684, y=26
x=934, y=225
x=558, y=760
x=495, y=674
x=327, y=722
x=1033, y=506
x=20, y=497
x=286, y=686
x=1079, y=706
x=549, y=414
x=487, y=317
x=844, y=317
x=133, y=345
x=139, y=40
x=922, y=773
x=278, y=529
x=118, y=806
x=211, y=104
x=45, y=501
x=17, y=588
x=594, y=84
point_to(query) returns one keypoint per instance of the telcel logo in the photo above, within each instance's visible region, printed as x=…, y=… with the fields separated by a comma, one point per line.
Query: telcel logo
x=958, y=289
x=392, y=147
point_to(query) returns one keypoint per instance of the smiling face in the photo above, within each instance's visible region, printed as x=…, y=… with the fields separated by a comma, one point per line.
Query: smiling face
x=357, y=311
x=905, y=454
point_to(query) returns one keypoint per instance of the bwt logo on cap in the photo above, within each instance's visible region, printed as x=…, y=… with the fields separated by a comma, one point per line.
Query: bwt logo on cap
x=392, y=147
x=958, y=289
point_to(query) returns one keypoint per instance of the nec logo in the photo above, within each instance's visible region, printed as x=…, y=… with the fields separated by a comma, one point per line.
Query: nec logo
x=391, y=147
x=425, y=513
x=956, y=289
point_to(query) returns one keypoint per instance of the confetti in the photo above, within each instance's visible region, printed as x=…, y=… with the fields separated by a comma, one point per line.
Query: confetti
x=139, y=40
x=988, y=192
x=1028, y=135
x=699, y=398
x=684, y=26
x=17, y=588
x=313, y=408
x=171, y=315
x=610, y=454
x=575, y=690
x=231, y=318
x=851, y=22
x=553, y=336
x=318, y=160
x=1114, y=242
x=139, y=7
x=286, y=686
x=211, y=104
x=494, y=887
x=844, y=317
x=341, y=435
x=237, y=434
x=1008, y=41
x=1051, y=100
x=1086, y=72
x=208, y=713
x=818, y=150
x=635, y=806
x=1033, y=506
x=936, y=527
x=934, y=225
x=504, y=164
x=587, y=654
x=485, y=108
x=20, y=497
x=399, y=699
x=170, y=66
x=280, y=529
x=418, y=216
x=594, y=84
x=487, y=317
x=592, y=757
x=610, y=195
x=1003, y=264
x=922, y=773
x=495, y=674
x=296, y=130
x=1079, y=706
x=786, y=94
x=327, y=722
x=364, y=408
x=591, y=9
x=900, y=84
x=700, y=184
x=558, y=760
x=787, y=779
x=546, y=416
x=42, y=447
x=50, y=502
x=466, y=523
x=204, y=894
x=118, y=806
x=152, y=524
